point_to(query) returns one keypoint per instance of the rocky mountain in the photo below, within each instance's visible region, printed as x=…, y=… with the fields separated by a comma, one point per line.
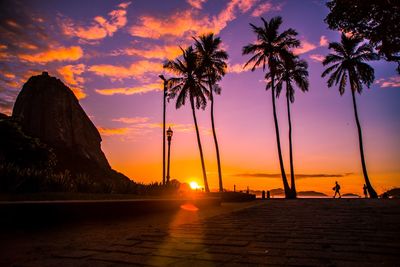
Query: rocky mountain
x=48, y=110
x=311, y=194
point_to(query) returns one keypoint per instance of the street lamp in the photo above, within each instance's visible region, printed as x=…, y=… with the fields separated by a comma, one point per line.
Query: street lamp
x=169, y=136
x=164, y=96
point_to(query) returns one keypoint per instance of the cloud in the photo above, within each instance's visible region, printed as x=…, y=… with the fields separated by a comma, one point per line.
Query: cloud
x=8, y=80
x=100, y=27
x=154, y=52
x=78, y=92
x=140, y=124
x=72, y=77
x=5, y=106
x=266, y=7
x=236, y=68
x=4, y=56
x=323, y=41
x=124, y=5
x=188, y=23
x=71, y=73
x=20, y=31
x=135, y=70
x=112, y=131
x=261, y=9
x=71, y=53
x=7, y=99
x=196, y=3
x=179, y=24
x=27, y=41
x=317, y=57
x=229, y=13
x=146, y=88
x=132, y=120
x=305, y=47
x=7, y=75
x=393, y=81
x=28, y=46
x=298, y=176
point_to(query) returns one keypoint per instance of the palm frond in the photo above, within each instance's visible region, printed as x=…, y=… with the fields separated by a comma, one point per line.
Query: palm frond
x=348, y=61
x=332, y=58
x=366, y=73
x=343, y=81
x=330, y=69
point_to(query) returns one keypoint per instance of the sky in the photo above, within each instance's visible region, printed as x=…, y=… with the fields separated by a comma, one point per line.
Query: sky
x=110, y=54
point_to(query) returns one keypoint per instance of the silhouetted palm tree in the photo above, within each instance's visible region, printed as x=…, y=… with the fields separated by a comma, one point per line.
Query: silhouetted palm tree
x=347, y=63
x=271, y=48
x=289, y=72
x=212, y=61
x=189, y=84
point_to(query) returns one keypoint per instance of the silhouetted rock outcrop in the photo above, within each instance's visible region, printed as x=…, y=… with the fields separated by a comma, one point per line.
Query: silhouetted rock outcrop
x=392, y=193
x=3, y=116
x=350, y=195
x=277, y=192
x=311, y=194
x=48, y=110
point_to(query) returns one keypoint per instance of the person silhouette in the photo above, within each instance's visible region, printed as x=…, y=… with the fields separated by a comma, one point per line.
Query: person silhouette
x=336, y=188
x=365, y=190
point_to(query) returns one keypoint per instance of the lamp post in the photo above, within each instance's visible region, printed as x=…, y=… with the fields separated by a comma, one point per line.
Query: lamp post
x=164, y=97
x=169, y=136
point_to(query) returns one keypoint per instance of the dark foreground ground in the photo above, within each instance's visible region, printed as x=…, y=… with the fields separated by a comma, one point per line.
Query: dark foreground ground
x=303, y=232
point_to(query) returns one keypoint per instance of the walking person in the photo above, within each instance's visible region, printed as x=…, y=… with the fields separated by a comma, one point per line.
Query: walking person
x=365, y=188
x=336, y=188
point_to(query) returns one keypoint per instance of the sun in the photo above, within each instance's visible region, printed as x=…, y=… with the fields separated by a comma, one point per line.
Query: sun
x=194, y=185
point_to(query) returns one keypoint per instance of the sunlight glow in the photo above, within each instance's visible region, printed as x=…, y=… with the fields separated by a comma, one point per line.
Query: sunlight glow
x=194, y=185
x=189, y=207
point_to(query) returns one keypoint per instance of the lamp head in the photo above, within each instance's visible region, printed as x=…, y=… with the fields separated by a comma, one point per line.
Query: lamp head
x=169, y=132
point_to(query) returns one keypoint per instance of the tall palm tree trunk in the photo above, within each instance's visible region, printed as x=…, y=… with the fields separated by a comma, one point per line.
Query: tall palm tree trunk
x=200, y=148
x=288, y=193
x=292, y=181
x=371, y=191
x=221, y=187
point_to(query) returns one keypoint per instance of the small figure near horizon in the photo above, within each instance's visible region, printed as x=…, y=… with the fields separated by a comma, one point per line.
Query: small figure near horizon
x=234, y=188
x=263, y=194
x=336, y=188
x=248, y=190
x=365, y=189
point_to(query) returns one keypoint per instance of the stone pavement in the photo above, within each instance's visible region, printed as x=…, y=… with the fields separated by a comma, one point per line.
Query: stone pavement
x=303, y=232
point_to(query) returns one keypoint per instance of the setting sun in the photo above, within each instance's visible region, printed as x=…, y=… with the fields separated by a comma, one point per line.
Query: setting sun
x=194, y=185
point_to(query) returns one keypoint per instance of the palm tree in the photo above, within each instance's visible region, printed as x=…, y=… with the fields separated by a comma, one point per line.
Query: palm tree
x=348, y=63
x=212, y=61
x=189, y=84
x=271, y=48
x=289, y=72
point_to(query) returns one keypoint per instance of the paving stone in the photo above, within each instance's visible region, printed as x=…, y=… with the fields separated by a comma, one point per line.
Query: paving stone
x=262, y=260
x=74, y=254
x=304, y=232
x=229, y=243
x=122, y=258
